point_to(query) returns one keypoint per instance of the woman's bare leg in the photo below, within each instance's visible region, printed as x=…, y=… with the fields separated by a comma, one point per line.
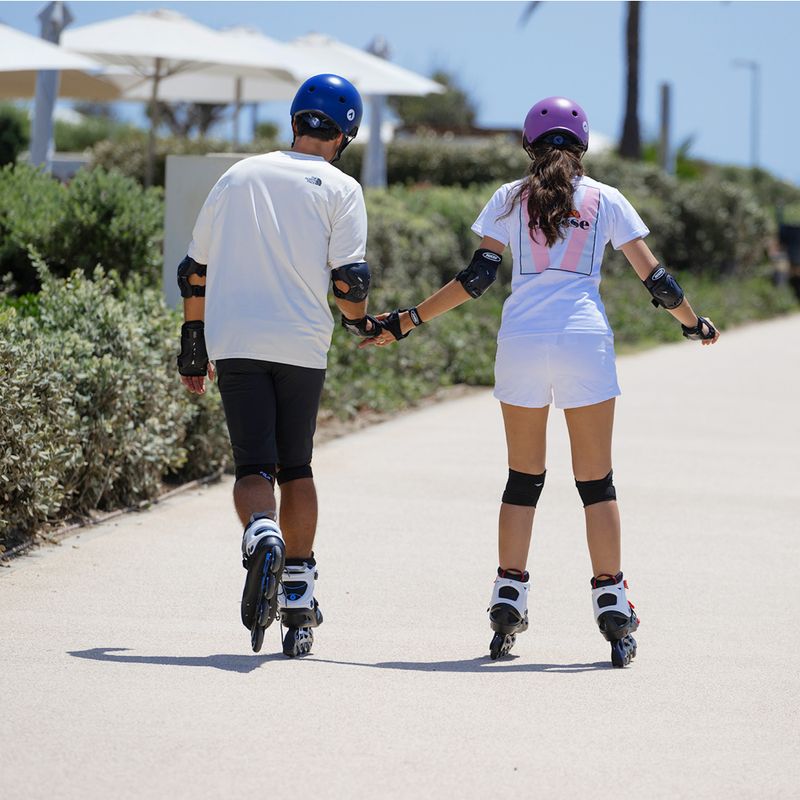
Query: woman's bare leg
x=526, y=430
x=590, y=432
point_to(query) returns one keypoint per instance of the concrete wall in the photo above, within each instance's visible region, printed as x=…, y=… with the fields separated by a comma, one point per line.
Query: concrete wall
x=189, y=179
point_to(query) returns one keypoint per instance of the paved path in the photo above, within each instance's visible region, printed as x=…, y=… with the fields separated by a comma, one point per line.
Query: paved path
x=125, y=672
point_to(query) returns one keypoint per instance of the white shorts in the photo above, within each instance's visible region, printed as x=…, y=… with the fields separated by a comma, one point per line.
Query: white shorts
x=567, y=369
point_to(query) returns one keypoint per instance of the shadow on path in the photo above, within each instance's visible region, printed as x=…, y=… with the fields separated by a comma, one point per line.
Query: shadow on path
x=229, y=663
x=480, y=664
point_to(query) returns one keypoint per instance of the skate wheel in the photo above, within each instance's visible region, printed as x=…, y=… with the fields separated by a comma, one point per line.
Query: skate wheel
x=501, y=645
x=622, y=651
x=256, y=637
x=298, y=642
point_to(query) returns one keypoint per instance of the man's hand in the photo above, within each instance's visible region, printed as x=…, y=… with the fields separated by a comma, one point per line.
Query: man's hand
x=196, y=384
x=392, y=326
x=365, y=326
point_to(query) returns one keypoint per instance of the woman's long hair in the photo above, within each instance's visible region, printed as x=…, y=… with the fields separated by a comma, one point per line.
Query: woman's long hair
x=547, y=187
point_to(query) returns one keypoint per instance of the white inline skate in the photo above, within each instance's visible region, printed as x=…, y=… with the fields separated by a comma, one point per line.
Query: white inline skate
x=299, y=610
x=508, y=610
x=615, y=616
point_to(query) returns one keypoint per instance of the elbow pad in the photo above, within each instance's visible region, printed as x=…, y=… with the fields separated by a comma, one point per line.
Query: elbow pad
x=481, y=272
x=356, y=276
x=186, y=268
x=665, y=289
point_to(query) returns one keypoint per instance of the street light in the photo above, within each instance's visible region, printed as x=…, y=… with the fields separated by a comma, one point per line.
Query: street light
x=755, y=80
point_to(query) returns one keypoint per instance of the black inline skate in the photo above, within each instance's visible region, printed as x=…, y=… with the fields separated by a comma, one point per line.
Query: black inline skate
x=508, y=610
x=615, y=616
x=263, y=556
x=299, y=610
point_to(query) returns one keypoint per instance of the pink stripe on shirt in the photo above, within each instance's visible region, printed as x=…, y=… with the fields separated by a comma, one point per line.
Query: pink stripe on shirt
x=579, y=236
x=540, y=253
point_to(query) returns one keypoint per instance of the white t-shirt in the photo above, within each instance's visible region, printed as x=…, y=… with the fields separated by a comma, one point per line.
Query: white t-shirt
x=270, y=231
x=557, y=289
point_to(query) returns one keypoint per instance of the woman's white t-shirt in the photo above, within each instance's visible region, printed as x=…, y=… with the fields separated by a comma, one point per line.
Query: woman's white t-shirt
x=271, y=230
x=557, y=289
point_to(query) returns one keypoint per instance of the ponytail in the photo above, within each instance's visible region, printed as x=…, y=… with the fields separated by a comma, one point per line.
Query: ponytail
x=547, y=188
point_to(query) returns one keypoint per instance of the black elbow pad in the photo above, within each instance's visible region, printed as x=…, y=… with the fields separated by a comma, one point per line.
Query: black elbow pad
x=357, y=278
x=481, y=272
x=186, y=268
x=665, y=289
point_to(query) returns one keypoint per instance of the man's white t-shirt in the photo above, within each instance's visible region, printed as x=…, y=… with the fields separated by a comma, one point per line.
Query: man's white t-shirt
x=557, y=289
x=271, y=230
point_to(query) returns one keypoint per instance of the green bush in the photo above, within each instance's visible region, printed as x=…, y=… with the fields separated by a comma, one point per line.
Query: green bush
x=94, y=414
x=14, y=134
x=99, y=218
x=128, y=153
x=71, y=137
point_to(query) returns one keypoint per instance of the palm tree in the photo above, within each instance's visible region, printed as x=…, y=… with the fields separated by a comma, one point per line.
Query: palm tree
x=630, y=145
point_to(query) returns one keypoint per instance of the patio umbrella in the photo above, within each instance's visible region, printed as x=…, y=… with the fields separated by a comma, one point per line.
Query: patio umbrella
x=22, y=56
x=156, y=45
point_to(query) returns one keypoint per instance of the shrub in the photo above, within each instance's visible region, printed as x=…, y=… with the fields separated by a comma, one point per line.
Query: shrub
x=128, y=153
x=94, y=414
x=14, y=133
x=73, y=137
x=99, y=218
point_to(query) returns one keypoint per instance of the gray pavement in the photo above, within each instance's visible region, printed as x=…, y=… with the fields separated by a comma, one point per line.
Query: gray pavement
x=125, y=672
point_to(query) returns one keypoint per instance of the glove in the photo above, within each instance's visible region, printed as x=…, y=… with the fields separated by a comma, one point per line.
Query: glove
x=193, y=358
x=697, y=333
x=392, y=324
x=366, y=327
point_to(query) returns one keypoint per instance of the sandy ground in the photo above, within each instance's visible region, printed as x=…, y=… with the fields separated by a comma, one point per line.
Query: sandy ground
x=125, y=672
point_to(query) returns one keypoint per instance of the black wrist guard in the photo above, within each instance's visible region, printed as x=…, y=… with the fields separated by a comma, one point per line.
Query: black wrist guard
x=697, y=333
x=415, y=317
x=193, y=358
x=665, y=289
x=392, y=324
x=366, y=327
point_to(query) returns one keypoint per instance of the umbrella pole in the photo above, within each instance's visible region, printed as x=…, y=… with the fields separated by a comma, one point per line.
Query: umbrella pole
x=237, y=111
x=151, y=141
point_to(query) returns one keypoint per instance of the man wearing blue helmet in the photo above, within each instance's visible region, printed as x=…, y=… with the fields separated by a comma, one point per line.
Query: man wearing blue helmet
x=276, y=231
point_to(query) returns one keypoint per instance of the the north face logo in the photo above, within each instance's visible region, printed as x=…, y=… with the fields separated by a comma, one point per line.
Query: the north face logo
x=315, y=180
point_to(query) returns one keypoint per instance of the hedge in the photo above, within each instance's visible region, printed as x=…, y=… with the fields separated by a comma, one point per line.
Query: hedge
x=93, y=414
x=100, y=218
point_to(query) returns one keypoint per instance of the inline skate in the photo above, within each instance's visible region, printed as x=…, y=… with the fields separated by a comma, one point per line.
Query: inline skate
x=615, y=616
x=298, y=608
x=508, y=610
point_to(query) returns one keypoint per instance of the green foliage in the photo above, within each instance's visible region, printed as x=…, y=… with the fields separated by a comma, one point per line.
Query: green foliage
x=99, y=218
x=453, y=110
x=128, y=154
x=72, y=137
x=14, y=133
x=94, y=414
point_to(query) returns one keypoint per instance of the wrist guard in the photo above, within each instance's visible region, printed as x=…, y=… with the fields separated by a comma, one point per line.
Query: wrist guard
x=665, y=289
x=697, y=333
x=366, y=327
x=193, y=358
x=392, y=324
x=415, y=317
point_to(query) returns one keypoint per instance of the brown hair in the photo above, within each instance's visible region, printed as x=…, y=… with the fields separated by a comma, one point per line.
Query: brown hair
x=547, y=187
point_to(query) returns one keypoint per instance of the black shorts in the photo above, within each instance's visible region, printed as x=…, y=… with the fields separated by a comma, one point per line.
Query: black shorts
x=271, y=411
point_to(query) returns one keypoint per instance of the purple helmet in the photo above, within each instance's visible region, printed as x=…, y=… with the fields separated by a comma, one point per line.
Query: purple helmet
x=554, y=115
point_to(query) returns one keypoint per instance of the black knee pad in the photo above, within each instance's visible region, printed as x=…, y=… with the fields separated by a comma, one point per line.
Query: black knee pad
x=266, y=471
x=286, y=474
x=598, y=491
x=523, y=489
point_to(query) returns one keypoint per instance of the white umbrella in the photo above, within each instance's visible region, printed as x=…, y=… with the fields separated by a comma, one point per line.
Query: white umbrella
x=22, y=56
x=158, y=44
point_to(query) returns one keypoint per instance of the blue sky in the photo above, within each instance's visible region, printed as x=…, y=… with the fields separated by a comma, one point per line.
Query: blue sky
x=569, y=48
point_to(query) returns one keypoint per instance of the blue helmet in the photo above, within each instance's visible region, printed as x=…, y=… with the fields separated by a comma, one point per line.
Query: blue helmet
x=335, y=99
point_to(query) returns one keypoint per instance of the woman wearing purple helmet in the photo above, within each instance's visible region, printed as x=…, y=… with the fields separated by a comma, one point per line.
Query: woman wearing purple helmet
x=555, y=346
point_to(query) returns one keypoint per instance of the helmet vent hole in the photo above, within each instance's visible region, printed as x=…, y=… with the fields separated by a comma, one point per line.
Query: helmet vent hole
x=574, y=113
x=342, y=100
x=311, y=88
x=544, y=111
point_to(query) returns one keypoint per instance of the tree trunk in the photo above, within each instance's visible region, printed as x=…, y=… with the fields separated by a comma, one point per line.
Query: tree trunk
x=631, y=146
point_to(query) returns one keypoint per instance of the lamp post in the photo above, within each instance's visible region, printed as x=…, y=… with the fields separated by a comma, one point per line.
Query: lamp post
x=755, y=81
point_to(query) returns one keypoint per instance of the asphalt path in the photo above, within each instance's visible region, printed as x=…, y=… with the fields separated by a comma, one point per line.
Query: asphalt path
x=126, y=673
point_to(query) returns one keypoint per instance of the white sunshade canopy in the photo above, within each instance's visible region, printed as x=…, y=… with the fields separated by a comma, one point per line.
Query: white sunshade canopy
x=170, y=43
x=370, y=74
x=305, y=57
x=22, y=56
